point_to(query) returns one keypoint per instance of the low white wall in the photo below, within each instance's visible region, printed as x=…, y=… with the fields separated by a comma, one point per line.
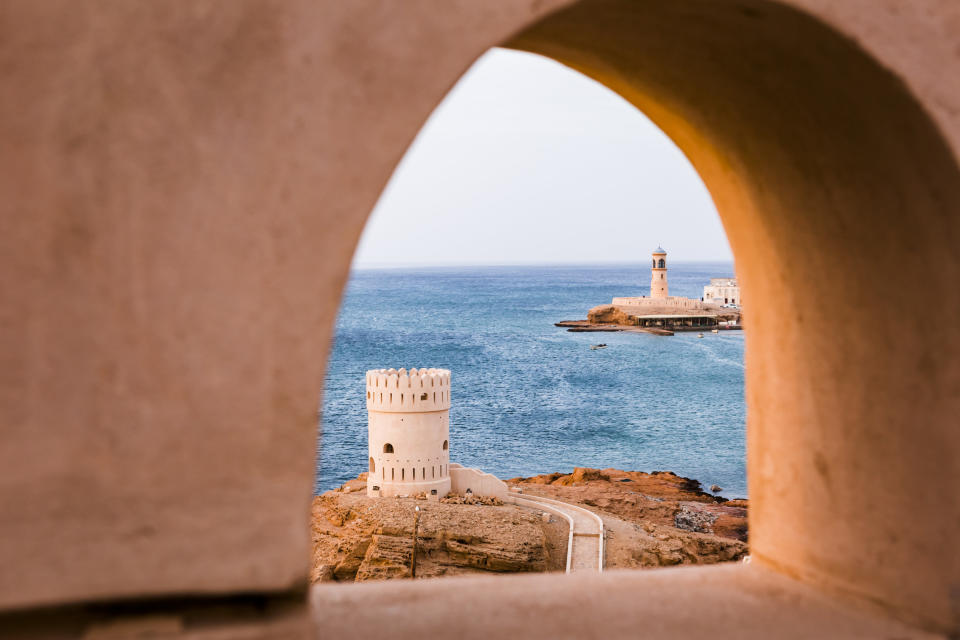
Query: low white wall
x=676, y=302
x=479, y=482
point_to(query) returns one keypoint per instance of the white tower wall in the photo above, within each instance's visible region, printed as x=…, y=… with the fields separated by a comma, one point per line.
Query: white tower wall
x=408, y=412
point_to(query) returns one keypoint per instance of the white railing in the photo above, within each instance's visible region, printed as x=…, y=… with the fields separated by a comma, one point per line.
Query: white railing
x=539, y=505
x=547, y=503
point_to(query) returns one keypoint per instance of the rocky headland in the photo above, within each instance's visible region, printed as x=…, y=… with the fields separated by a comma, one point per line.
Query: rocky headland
x=609, y=317
x=650, y=520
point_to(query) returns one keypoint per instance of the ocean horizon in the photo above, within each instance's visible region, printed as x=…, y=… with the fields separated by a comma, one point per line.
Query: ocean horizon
x=529, y=397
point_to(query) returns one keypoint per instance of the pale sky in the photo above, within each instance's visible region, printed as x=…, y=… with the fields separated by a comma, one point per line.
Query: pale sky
x=529, y=162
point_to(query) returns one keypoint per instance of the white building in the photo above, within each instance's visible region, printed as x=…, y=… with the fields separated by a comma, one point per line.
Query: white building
x=408, y=438
x=722, y=291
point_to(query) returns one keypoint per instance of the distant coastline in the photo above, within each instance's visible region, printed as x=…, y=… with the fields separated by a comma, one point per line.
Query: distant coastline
x=566, y=405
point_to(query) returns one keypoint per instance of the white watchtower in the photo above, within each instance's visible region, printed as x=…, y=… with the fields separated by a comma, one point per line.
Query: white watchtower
x=658, y=275
x=408, y=438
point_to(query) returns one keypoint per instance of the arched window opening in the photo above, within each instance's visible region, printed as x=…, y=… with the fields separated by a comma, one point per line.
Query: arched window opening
x=390, y=283
x=373, y=467
x=403, y=473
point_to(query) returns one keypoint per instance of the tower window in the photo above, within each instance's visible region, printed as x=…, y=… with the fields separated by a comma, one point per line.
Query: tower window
x=445, y=445
x=373, y=467
x=388, y=448
x=662, y=264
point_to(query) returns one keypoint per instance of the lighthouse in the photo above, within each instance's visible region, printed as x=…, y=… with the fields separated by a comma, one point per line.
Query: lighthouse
x=658, y=274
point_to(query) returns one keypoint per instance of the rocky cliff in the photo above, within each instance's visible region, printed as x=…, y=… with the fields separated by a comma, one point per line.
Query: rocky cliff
x=609, y=314
x=356, y=538
x=651, y=519
x=655, y=519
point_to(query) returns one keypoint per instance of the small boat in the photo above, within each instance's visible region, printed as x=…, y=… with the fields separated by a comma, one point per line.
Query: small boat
x=699, y=335
x=715, y=330
x=598, y=346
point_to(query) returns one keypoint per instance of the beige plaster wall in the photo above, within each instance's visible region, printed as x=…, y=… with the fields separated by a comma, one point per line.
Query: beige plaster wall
x=825, y=171
x=671, y=301
x=478, y=482
x=184, y=185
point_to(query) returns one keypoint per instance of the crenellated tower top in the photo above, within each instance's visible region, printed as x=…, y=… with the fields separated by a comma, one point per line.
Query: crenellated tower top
x=413, y=391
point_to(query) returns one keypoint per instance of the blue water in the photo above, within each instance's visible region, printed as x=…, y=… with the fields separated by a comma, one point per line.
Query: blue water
x=532, y=398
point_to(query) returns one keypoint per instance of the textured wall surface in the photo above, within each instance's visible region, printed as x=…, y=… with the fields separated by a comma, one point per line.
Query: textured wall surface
x=829, y=176
x=184, y=185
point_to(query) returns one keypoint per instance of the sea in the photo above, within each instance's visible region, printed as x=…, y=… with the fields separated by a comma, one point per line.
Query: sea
x=531, y=398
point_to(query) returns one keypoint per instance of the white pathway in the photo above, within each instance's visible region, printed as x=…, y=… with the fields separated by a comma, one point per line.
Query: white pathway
x=585, y=542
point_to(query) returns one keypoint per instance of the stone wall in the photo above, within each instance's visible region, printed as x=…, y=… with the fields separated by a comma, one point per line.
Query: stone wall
x=672, y=302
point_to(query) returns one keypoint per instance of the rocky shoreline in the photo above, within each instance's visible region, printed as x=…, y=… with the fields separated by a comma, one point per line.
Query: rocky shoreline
x=651, y=520
x=609, y=317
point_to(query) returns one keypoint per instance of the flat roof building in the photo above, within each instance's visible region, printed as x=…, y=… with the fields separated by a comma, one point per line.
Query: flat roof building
x=722, y=291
